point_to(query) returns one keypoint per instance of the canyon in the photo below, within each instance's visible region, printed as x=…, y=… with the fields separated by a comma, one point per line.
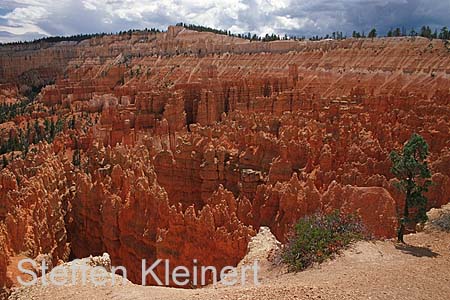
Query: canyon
x=180, y=145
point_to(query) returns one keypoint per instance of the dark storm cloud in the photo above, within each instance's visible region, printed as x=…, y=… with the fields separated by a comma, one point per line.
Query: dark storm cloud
x=25, y=19
x=408, y=14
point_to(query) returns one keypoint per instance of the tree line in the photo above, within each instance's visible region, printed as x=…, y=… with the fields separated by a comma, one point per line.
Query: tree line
x=80, y=37
x=247, y=36
x=425, y=31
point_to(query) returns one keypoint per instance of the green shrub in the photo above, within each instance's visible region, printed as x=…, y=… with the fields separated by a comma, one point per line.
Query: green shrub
x=319, y=237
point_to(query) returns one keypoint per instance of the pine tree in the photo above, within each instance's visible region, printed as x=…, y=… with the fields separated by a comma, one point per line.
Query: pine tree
x=37, y=132
x=444, y=34
x=4, y=161
x=47, y=129
x=426, y=32
x=52, y=130
x=435, y=34
x=76, y=158
x=72, y=123
x=411, y=169
x=59, y=125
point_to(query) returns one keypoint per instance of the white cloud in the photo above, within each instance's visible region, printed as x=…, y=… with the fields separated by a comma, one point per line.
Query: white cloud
x=89, y=5
x=24, y=19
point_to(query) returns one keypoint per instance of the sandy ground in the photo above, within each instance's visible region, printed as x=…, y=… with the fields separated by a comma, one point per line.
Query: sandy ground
x=368, y=270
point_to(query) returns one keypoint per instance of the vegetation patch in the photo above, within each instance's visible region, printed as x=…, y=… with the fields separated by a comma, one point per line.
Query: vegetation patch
x=10, y=111
x=320, y=237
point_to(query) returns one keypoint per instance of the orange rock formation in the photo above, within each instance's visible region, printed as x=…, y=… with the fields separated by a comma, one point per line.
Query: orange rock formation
x=191, y=141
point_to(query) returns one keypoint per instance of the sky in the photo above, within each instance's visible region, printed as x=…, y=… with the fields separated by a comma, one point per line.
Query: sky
x=30, y=19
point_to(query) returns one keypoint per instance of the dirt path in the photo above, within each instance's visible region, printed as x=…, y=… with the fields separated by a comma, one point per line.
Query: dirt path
x=369, y=270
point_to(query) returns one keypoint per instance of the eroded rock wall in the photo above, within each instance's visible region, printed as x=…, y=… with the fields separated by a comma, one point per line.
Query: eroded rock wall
x=189, y=142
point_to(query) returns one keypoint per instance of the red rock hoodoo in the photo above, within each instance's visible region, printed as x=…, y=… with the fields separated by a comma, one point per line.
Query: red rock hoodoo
x=188, y=142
